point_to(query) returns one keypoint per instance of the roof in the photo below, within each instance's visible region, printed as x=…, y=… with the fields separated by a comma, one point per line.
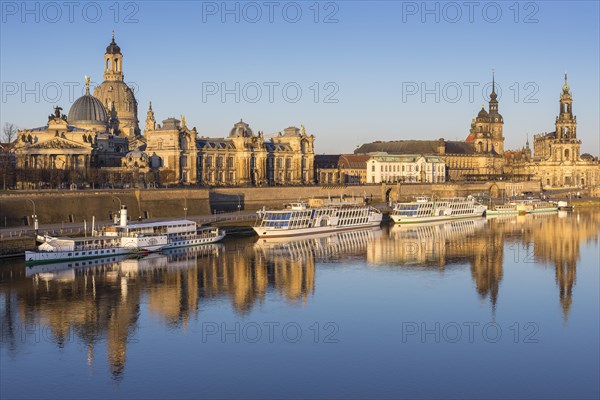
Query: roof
x=327, y=160
x=354, y=161
x=400, y=147
x=424, y=147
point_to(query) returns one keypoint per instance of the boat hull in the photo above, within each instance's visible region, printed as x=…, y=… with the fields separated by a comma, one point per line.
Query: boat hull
x=501, y=212
x=433, y=218
x=47, y=257
x=194, y=242
x=264, y=232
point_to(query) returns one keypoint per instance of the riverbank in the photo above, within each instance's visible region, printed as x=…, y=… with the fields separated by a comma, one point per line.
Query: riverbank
x=67, y=207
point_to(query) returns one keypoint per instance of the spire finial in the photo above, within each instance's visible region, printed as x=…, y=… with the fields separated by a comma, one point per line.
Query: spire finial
x=150, y=107
x=87, y=84
x=113, y=35
x=566, y=87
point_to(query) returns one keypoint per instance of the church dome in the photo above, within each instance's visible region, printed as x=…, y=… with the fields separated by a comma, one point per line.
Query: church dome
x=241, y=129
x=483, y=116
x=113, y=48
x=88, y=110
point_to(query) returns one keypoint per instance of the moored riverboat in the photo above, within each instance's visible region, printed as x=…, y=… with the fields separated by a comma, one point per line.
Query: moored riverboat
x=301, y=219
x=58, y=249
x=180, y=233
x=425, y=209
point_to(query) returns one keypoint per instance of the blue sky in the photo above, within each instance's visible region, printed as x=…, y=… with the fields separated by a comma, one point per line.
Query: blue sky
x=369, y=60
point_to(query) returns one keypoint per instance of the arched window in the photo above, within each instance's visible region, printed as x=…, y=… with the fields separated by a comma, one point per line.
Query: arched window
x=566, y=154
x=116, y=64
x=108, y=63
x=480, y=144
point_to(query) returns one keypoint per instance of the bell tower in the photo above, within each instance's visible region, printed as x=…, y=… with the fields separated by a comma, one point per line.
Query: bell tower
x=565, y=146
x=113, y=62
x=496, y=120
x=566, y=123
x=150, y=121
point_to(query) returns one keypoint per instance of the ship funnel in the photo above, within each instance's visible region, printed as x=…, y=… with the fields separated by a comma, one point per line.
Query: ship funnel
x=123, y=216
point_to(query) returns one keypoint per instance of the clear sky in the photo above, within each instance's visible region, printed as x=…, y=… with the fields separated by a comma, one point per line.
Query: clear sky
x=367, y=71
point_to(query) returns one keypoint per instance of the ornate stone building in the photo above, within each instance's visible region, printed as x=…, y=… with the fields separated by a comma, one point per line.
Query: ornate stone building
x=478, y=157
x=556, y=159
x=242, y=158
x=377, y=168
x=118, y=98
x=101, y=129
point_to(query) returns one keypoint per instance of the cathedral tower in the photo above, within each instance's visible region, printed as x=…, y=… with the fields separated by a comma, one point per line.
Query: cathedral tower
x=566, y=123
x=565, y=146
x=118, y=98
x=113, y=62
x=496, y=121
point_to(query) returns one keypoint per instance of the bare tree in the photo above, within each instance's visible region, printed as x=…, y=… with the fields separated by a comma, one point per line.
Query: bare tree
x=9, y=132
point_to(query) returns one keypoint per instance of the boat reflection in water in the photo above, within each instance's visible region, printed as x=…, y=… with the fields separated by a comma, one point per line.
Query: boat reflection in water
x=98, y=303
x=320, y=247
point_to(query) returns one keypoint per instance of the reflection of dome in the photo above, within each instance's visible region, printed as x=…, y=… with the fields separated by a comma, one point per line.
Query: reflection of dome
x=241, y=129
x=88, y=110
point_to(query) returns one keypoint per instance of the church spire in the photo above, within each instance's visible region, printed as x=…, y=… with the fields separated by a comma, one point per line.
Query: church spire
x=150, y=121
x=113, y=61
x=566, y=88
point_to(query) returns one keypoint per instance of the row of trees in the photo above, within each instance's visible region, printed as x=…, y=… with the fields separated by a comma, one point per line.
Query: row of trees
x=33, y=178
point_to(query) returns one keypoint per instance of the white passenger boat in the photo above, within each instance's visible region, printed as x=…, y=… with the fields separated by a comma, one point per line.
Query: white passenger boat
x=425, y=209
x=180, y=233
x=65, y=248
x=503, y=209
x=300, y=219
x=533, y=206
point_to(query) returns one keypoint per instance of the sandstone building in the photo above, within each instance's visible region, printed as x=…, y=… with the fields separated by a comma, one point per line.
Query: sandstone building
x=556, y=159
x=101, y=133
x=479, y=156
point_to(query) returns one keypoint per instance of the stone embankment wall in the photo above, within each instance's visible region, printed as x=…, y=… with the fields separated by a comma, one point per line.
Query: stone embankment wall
x=10, y=246
x=55, y=207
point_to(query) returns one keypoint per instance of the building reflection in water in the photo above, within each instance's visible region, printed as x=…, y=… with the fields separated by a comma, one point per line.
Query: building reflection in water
x=98, y=301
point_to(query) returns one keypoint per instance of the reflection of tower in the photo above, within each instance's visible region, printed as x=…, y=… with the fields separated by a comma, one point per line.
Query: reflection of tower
x=565, y=278
x=557, y=241
x=486, y=269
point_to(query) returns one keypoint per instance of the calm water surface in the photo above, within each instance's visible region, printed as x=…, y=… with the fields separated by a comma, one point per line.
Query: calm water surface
x=507, y=307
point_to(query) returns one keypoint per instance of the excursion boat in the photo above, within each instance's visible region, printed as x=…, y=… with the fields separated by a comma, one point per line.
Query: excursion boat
x=503, y=209
x=301, y=219
x=564, y=206
x=180, y=233
x=425, y=209
x=536, y=206
x=58, y=249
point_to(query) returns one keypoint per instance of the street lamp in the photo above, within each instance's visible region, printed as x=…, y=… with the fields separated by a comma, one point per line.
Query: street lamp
x=116, y=217
x=34, y=216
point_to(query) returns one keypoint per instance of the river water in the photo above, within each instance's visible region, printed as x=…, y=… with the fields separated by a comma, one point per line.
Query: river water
x=498, y=308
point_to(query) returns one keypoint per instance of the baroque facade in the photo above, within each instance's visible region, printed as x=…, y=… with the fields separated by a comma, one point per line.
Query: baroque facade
x=379, y=168
x=241, y=158
x=101, y=132
x=479, y=156
x=556, y=159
